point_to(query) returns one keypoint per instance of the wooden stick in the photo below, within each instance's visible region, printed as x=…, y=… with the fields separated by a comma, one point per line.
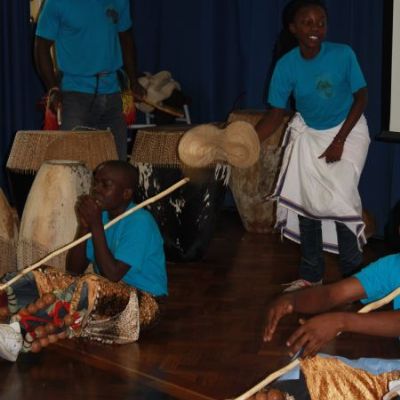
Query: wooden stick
x=163, y=108
x=89, y=235
x=379, y=303
x=270, y=378
x=275, y=375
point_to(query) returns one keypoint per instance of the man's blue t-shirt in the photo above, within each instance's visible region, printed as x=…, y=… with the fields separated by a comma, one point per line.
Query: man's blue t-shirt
x=86, y=39
x=380, y=278
x=323, y=86
x=137, y=242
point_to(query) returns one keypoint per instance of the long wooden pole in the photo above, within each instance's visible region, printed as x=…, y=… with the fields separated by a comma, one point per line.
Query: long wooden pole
x=168, y=110
x=89, y=235
x=275, y=375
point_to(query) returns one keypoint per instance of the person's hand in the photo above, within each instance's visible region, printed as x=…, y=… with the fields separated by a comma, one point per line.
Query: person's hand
x=334, y=151
x=139, y=92
x=82, y=223
x=314, y=333
x=54, y=101
x=278, y=309
x=88, y=212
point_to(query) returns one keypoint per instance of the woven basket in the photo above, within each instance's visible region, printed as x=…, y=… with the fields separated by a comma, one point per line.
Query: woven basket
x=159, y=145
x=31, y=148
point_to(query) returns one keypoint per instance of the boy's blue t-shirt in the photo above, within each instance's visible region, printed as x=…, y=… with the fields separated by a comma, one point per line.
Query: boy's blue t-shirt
x=380, y=278
x=86, y=39
x=323, y=87
x=137, y=242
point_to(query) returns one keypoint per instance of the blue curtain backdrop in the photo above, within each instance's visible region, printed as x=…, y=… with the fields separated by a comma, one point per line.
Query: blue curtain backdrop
x=20, y=88
x=220, y=51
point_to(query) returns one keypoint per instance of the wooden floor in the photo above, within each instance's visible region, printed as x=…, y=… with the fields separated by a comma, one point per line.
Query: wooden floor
x=208, y=344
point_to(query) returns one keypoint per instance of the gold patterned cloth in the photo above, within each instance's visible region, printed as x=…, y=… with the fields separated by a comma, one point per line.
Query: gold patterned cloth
x=331, y=379
x=113, y=313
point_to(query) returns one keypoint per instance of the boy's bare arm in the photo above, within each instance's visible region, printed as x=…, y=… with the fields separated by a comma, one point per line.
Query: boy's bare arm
x=109, y=266
x=311, y=301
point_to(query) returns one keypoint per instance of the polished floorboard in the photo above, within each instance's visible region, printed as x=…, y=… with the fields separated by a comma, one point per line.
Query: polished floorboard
x=208, y=343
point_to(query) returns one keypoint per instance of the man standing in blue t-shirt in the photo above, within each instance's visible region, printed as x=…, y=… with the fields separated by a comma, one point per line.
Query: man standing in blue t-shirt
x=93, y=40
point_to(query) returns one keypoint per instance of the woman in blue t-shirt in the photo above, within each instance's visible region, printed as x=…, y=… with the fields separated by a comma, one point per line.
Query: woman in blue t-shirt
x=326, y=142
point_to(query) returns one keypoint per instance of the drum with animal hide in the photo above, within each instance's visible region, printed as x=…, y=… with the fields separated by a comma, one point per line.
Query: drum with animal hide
x=31, y=148
x=250, y=186
x=49, y=220
x=187, y=217
x=8, y=236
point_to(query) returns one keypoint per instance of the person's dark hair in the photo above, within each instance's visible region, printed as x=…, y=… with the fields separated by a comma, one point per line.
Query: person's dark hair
x=286, y=40
x=128, y=170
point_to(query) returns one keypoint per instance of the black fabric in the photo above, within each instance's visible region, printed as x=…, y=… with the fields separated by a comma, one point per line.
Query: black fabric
x=392, y=235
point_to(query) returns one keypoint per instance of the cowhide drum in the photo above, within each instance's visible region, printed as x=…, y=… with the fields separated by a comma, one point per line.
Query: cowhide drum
x=250, y=186
x=187, y=217
x=49, y=220
x=8, y=236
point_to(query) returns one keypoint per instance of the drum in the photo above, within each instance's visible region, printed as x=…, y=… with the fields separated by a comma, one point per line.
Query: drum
x=8, y=236
x=31, y=148
x=250, y=186
x=186, y=217
x=49, y=220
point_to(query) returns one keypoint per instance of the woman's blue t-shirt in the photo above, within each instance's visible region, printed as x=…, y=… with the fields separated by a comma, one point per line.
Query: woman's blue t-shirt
x=323, y=86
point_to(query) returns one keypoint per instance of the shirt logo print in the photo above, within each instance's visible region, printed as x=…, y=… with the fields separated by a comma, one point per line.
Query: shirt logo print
x=324, y=88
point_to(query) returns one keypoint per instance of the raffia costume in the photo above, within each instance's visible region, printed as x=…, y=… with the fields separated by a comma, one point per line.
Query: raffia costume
x=109, y=312
x=330, y=378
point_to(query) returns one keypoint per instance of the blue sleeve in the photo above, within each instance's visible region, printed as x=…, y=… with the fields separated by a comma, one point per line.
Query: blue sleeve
x=356, y=76
x=48, y=22
x=280, y=87
x=133, y=242
x=124, y=22
x=380, y=277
